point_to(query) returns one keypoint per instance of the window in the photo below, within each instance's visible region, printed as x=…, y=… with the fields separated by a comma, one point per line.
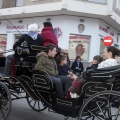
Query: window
x=98, y=1
x=1, y=1
x=102, y=47
x=3, y=40
x=19, y=3
x=79, y=46
x=118, y=5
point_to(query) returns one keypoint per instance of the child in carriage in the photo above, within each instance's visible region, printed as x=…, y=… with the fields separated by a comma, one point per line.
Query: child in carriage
x=63, y=68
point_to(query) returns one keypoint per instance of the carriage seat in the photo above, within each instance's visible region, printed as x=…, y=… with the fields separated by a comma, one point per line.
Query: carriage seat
x=102, y=73
x=42, y=80
x=24, y=64
x=29, y=60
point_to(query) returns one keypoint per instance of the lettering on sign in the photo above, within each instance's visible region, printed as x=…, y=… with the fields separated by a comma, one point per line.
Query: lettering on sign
x=21, y=28
x=15, y=27
x=106, y=30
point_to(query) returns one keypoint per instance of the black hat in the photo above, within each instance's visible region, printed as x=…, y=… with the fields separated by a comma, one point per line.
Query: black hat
x=47, y=24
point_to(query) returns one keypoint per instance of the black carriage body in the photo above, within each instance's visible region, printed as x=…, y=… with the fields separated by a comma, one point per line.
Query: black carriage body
x=39, y=86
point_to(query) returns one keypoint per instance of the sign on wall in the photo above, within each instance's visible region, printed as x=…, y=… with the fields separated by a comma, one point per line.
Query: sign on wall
x=107, y=30
x=79, y=46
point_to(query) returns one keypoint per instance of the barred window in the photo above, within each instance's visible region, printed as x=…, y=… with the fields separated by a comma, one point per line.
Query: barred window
x=1, y=1
x=19, y=3
x=98, y=1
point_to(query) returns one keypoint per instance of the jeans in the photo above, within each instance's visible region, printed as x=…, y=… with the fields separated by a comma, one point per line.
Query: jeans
x=8, y=64
x=59, y=81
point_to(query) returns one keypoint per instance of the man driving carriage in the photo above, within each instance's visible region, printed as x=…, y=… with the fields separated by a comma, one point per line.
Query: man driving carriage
x=31, y=38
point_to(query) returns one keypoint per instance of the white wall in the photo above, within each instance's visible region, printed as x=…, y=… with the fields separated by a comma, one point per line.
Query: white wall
x=67, y=24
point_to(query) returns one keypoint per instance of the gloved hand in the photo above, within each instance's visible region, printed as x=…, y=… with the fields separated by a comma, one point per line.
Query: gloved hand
x=25, y=51
x=18, y=50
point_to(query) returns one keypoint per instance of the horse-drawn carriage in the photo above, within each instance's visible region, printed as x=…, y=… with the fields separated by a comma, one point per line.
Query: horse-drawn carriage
x=99, y=98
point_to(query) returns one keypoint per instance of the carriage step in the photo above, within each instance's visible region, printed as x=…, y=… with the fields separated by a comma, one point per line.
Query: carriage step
x=27, y=88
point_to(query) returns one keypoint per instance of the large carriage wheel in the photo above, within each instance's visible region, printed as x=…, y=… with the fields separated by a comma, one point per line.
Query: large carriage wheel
x=36, y=105
x=100, y=106
x=5, y=102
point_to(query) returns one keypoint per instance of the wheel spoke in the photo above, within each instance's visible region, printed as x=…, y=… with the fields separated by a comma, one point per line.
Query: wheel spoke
x=5, y=108
x=34, y=104
x=100, y=109
x=94, y=115
x=2, y=112
x=109, y=108
x=117, y=113
x=38, y=105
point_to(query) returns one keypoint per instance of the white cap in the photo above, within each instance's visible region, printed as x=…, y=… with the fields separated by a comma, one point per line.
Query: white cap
x=33, y=27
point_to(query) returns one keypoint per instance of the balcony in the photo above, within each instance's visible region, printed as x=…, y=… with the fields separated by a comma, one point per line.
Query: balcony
x=104, y=2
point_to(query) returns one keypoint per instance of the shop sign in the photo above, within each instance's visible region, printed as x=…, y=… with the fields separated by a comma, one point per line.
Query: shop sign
x=109, y=31
x=16, y=28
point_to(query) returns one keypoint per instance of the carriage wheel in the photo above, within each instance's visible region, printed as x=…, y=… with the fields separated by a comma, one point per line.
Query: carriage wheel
x=100, y=106
x=36, y=105
x=5, y=102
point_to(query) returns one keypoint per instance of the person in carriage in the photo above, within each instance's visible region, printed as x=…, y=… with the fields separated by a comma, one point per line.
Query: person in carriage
x=46, y=62
x=48, y=34
x=31, y=38
x=110, y=53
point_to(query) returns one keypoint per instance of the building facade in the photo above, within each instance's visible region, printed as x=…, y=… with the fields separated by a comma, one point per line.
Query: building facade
x=80, y=25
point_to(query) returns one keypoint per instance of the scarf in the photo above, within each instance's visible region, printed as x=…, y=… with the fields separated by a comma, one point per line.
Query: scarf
x=33, y=35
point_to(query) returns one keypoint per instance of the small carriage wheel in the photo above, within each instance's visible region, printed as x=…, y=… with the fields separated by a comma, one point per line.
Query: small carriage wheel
x=5, y=102
x=36, y=105
x=100, y=106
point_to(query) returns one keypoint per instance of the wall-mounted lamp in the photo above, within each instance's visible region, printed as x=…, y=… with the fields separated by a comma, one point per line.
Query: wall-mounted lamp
x=48, y=19
x=19, y=21
x=82, y=20
x=108, y=27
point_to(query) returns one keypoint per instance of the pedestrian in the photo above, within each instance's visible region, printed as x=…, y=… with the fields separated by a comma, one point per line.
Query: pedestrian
x=77, y=66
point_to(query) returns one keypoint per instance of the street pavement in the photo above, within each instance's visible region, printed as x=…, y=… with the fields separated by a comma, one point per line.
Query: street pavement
x=22, y=111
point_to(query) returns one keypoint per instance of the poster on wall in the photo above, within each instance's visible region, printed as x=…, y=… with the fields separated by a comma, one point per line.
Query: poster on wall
x=79, y=46
x=3, y=40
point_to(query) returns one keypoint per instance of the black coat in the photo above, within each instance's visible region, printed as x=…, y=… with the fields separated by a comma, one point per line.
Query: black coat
x=74, y=65
x=63, y=70
x=93, y=66
x=39, y=42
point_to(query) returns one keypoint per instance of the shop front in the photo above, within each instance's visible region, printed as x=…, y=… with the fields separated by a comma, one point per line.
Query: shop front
x=81, y=36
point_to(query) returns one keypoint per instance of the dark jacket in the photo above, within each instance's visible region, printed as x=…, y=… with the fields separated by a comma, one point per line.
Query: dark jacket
x=93, y=66
x=63, y=70
x=74, y=65
x=46, y=63
x=39, y=42
x=49, y=36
